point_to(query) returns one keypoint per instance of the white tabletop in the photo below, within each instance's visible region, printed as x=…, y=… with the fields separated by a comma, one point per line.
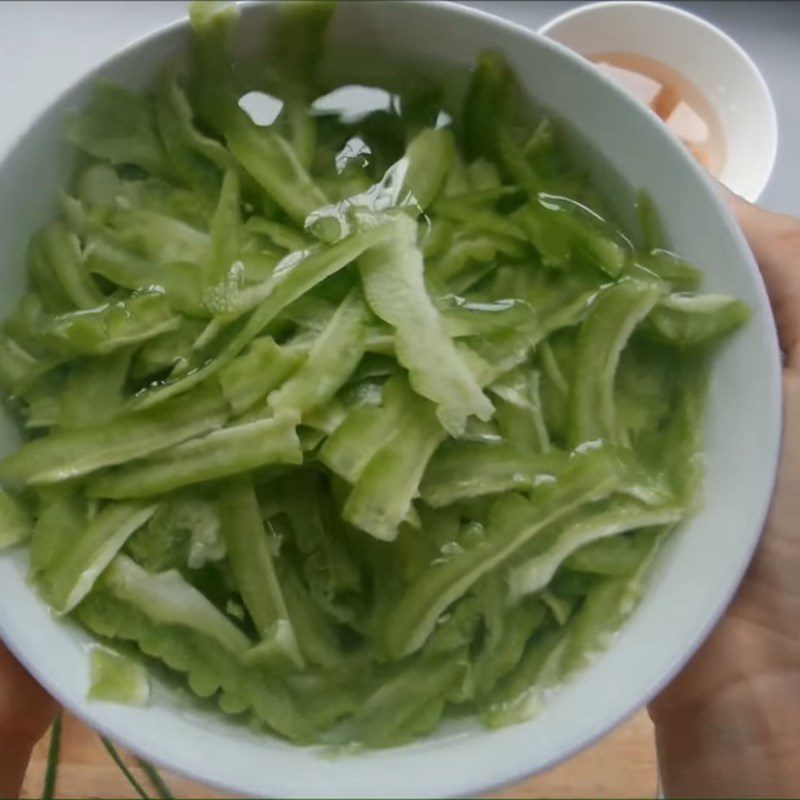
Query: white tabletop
x=46, y=45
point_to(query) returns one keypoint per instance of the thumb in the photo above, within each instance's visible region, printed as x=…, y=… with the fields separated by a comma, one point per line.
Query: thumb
x=775, y=242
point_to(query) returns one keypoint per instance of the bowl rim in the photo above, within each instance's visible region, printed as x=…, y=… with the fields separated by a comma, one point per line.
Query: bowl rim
x=494, y=779
x=697, y=22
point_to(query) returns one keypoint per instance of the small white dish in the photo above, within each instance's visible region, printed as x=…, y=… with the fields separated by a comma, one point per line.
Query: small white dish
x=696, y=574
x=715, y=64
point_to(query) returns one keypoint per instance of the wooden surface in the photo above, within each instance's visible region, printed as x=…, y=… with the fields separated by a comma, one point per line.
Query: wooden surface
x=621, y=765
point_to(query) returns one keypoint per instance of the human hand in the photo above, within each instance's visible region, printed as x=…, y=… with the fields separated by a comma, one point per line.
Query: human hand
x=729, y=724
x=26, y=712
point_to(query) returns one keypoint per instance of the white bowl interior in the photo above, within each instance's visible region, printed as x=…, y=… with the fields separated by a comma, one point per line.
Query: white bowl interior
x=719, y=68
x=695, y=576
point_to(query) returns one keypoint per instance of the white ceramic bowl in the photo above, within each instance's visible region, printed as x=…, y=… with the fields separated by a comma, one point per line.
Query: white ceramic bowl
x=717, y=66
x=696, y=575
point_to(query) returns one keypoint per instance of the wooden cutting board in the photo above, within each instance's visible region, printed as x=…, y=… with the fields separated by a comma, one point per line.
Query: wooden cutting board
x=621, y=765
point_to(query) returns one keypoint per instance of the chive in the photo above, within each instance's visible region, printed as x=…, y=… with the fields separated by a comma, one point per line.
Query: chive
x=158, y=782
x=53, y=751
x=112, y=751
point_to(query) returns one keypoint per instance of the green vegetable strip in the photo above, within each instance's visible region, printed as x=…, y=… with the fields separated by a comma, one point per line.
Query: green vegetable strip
x=292, y=279
x=309, y=312
x=474, y=218
x=464, y=318
x=560, y=607
x=63, y=515
x=329, y=567
x=195, y=157
x=382, y=496
x=155, y=235
x=605, y=608
x=411, y=184
x=168, y=599
x=518, y=695
x=456, y=182
x=115, y=678
x=513, y=522
x=695, y=320
x=522, y=419
x=225, y=226
x=649, y=223
x=301, y=128
x=316, y=636
x=214, y=92
x=392, y=273
x=165, y=351
x=573, y=312
x=326, y=418
x=63, y=251
x=43, y=407
x=661, y=265
x=494, y=92
x=461, y=470
x=96, y=188
x=610, y=322
x=616, y=556
x=348, y=450
x=15, y=521
x=273, y=163
x=332, y=358
x=18, y=368
x=565, y=232
x=680, y=447
x=618, y=517
x=491, y=356
x=393, y=713
x=220, y=454
x=54, y=299
x=301, y=271
x=183, y=532
x=253, y=571
x=588, y=235
x=427, y=161
x=487, y=106
x=209, y=668
x=552, y=370
x=118, y=125
x=282, y=235
x=181, y=281
x=71, y=578
x=263, y=366
x=305, y=26
x=100, y=330
x=462, y=257
x=73, y=453
x=102, y=379
x=499, y=657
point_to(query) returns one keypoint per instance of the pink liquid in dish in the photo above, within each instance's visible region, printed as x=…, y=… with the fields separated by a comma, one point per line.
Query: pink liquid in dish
x=677, y=101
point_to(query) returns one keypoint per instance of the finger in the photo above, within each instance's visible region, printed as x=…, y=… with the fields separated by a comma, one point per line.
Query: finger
x=772, y=237
x=25, y=707
x=775, y=242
